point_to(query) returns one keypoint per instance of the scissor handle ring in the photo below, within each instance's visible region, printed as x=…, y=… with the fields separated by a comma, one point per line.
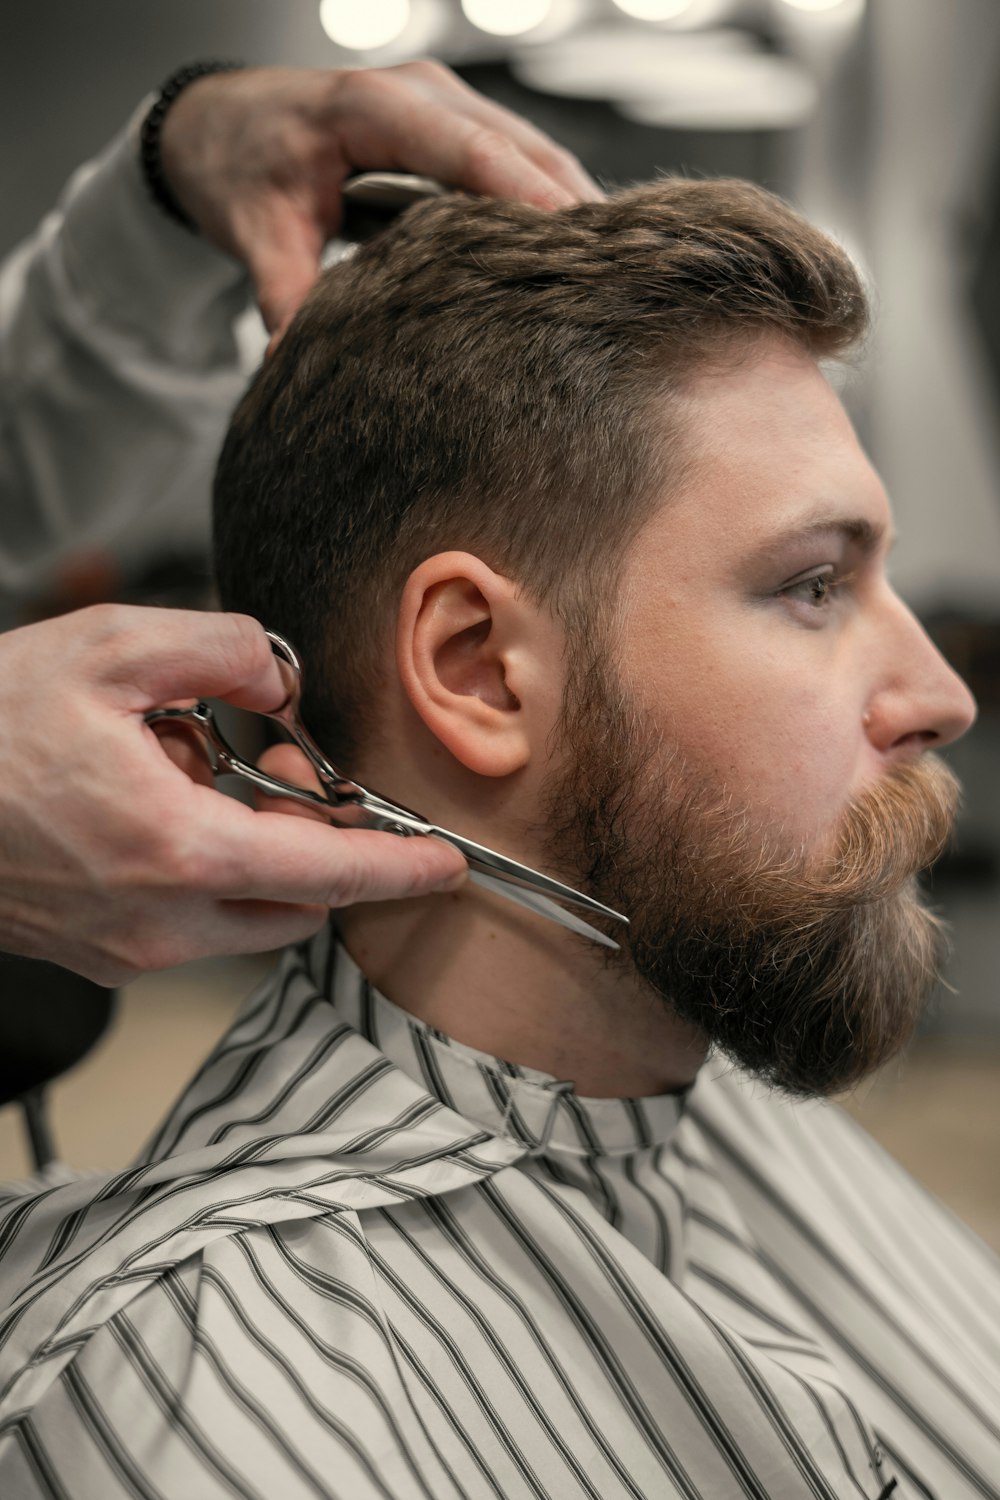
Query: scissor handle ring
x=286, y=653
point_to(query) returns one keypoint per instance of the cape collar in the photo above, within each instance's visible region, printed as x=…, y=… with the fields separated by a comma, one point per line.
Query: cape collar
x=529, y=1108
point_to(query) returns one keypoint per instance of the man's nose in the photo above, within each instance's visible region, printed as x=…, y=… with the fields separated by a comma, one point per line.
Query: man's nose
x=921, y=701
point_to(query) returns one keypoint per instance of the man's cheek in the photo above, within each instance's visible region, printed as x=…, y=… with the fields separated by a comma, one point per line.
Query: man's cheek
x=800, y=791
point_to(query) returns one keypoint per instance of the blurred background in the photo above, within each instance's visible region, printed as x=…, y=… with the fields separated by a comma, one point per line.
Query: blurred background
x=881, y=120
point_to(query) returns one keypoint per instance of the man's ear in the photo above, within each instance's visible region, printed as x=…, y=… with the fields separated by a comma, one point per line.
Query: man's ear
x=475, y=660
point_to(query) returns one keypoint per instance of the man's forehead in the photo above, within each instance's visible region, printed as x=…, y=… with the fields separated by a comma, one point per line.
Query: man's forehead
x=772, y=457
x=771, y=389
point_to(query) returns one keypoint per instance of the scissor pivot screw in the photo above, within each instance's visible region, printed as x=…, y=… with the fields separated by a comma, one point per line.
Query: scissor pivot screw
x=398, y=828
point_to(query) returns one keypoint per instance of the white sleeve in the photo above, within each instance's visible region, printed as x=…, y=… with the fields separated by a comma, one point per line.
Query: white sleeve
x=118, y=370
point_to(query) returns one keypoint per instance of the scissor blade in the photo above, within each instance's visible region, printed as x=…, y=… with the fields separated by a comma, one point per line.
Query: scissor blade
x=510, y=871
x=535, y=902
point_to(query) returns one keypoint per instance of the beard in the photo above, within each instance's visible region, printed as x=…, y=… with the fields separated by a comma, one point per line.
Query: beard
x=807, y=973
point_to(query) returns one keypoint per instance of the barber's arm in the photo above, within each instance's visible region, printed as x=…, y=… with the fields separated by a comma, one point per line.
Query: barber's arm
x=118, y=371
x=118, y=366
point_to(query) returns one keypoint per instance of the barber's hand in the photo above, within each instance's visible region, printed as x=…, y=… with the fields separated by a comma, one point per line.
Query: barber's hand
x=112, y=860
x=258, y=158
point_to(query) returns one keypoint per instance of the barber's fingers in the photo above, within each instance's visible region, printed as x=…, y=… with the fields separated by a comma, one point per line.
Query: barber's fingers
x=283, y=269
x=558, y=164
x=242, y=927
x=152, y=656
x=308, y=863
x=186, y=750
x=464, y=152
x=419, y=117
x=280, y=231
x=472, y=155
x=270, y=856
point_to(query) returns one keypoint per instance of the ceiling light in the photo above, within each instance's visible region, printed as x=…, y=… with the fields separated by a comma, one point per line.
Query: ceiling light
x=654, y=10
x=506, y=17
x=817, y=4
x=364, y=28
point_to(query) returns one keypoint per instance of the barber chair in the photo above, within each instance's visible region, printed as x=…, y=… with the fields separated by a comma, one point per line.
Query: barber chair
x=49, y=1019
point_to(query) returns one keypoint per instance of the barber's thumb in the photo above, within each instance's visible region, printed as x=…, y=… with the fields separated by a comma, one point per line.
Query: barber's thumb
x=282, y=279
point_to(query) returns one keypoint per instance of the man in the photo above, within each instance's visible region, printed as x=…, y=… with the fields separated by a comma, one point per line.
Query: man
x=118, y=372
x=587, y=564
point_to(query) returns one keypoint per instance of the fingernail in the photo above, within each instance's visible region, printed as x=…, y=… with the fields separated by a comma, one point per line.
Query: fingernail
x=591, y=190
x=451, y=883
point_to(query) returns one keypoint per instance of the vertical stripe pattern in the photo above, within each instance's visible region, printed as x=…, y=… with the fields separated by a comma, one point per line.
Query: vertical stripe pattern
x=360, y=1261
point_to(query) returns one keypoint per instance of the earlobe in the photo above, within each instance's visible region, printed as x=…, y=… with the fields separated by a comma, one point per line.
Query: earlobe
x=459, y=633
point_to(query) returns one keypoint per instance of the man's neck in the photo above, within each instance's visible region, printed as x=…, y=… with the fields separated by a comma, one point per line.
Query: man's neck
x=518, y=987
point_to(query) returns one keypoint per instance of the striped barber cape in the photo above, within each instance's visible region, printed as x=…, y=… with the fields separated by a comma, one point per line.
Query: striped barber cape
x=363, y=1261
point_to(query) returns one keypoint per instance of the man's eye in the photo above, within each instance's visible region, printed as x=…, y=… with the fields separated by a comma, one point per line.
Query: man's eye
x=817, y=590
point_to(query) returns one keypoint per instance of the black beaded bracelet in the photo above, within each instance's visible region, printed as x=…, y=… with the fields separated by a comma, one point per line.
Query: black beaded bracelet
x=149, y=138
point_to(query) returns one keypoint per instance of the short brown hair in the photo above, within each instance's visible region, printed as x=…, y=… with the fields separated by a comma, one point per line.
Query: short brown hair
x=496, y=378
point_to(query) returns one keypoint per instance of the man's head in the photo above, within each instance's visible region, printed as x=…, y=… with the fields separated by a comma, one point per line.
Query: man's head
x=579, y=544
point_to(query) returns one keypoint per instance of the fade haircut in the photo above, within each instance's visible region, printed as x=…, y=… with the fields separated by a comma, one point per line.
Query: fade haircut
x=495, y=378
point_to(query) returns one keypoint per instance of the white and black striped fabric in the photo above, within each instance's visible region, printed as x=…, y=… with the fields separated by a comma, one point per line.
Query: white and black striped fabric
x=363, y=1261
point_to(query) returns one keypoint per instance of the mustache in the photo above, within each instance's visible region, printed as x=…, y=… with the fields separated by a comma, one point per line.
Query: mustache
x=892, y=830
x=899, y=826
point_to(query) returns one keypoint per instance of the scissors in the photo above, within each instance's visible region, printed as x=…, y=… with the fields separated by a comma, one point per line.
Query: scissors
x=348, y=804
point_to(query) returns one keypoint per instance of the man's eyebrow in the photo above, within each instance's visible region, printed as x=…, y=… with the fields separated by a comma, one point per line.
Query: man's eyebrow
x=867, y=536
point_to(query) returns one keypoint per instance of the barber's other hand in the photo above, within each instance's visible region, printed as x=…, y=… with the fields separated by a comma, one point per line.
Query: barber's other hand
x=113, y=860
x=258, y=158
